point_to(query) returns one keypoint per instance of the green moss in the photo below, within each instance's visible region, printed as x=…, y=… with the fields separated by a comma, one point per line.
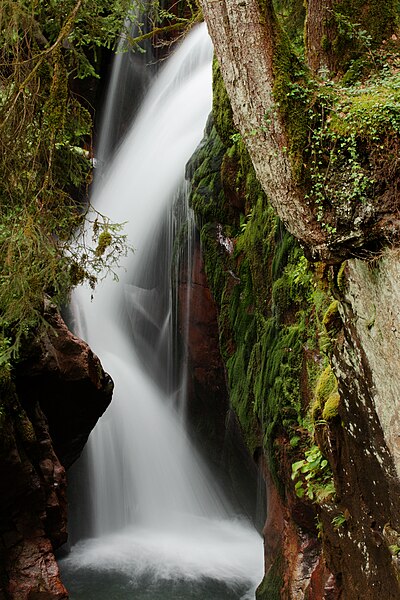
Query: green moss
x=265, y=325
x=326, y=385
x=204, y=168
x=280, y=298
x=331, y=319
x=325, y=43
x=292, y=15
x=341, y=278
x=222, y=110
x=284, y=244
x=331, y=407
x=215, y=266
x=371, y=111
x=271, y=586
x=104, y=241
x=327, y=397
x=292, y=94
x=331, y=326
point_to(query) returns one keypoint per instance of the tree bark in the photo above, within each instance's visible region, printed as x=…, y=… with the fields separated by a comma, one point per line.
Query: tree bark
x=338, y=31
x=320, y=32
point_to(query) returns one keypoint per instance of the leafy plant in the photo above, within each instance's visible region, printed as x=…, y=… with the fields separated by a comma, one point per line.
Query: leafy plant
x=338, y=521
x=314, y=476
x=45, y=165
x=244, y=221
x=394, y=550
x=349, y=124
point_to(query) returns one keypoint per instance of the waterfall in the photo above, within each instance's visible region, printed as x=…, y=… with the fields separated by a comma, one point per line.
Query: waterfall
x=158, y=516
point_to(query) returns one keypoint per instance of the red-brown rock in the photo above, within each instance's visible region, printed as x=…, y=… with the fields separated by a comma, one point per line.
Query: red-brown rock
x=49, y=407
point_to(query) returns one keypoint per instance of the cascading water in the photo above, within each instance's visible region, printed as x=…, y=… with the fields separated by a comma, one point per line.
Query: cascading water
x=161, y=526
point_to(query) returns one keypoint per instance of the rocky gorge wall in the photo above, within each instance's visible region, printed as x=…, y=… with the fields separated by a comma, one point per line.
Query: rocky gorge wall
x=310, y=353
x=50, y=403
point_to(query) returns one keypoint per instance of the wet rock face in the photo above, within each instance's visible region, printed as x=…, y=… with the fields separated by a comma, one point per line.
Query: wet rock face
x=66, y=378
x=295, y=568
x=213, y=422
x=365, y=450
x=49, y=408
x=198, y=313
x=32, y=506
x=355, y=551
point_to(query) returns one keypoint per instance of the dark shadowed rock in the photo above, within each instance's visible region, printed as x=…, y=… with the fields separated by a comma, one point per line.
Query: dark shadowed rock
x=66, y=378
x=214, y=423
x=49, y=407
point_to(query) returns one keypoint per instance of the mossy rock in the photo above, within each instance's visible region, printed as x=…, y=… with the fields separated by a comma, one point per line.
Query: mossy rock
x=271, y=586
x=332, y=320
x=281, y=300
x=331, y=407
x=222, y=110
x=327, y=398
x=268, y=323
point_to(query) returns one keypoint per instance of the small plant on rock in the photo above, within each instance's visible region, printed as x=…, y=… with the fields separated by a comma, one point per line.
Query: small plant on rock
x=314, y=476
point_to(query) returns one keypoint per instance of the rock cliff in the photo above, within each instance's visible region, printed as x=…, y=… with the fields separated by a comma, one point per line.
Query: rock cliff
x=49, y=405
x=311, y=353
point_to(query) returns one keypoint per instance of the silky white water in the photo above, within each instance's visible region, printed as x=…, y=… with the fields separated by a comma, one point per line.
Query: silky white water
x=157, y=513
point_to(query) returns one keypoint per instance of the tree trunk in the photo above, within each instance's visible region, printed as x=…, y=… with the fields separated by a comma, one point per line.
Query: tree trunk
x=245, y=42
x=339, y=31
x=320, y=32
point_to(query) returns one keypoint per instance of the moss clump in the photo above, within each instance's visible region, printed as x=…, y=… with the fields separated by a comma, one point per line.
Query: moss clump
x=104, y=241
x=341, y=279
x=25, y=428
x=331, y=407
x=271, y=586
x=371, y=111
x=331, y=319
x=222, y=110
x=327, y=398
